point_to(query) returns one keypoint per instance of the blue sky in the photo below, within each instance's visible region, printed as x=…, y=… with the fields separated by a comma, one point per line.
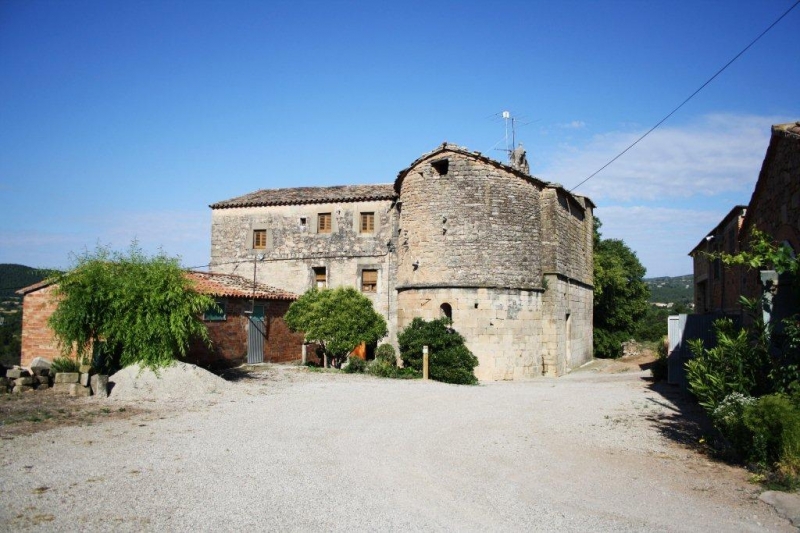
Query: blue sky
x=123, y=120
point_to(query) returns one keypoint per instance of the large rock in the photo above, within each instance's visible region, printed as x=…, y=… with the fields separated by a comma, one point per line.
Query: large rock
x=40, y=367
x=67, y=377
x=84, y=379
x=76, y=389
x=21, y=388
x=99, y=384
x=17, y=372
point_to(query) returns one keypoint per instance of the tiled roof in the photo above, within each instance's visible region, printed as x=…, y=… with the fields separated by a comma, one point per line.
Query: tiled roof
x=310, y=195
x=213, y=284
x=233, y=286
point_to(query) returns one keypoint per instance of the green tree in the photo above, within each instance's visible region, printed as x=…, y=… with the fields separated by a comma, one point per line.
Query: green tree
x=338, y=319
x=139, y=309
x=620, y=294
x=450, y=359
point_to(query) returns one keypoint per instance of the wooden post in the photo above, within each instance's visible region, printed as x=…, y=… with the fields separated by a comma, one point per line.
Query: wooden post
x=305, y=353
x=424, y=362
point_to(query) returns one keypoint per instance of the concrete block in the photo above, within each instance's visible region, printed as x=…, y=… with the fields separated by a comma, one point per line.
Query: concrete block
x=62, y=388
x=67, y=377
x=15, y=373
x=84, y=379
x=19, y=382
x=78, y=390
x=39, y=365
x=99, y=384
x=18, y=389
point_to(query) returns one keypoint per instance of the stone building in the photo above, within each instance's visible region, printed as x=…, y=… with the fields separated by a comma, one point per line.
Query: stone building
x=774, y=209
x=507, y=256
x=716, y=287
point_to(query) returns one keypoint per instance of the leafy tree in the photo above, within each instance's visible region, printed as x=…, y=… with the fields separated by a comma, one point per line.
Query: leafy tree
x=136, y=309
x=450, y=359
x=338, y=319
x=620, y=294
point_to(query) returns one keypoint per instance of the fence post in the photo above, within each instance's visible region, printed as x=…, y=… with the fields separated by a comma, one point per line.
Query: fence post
x=424, y=362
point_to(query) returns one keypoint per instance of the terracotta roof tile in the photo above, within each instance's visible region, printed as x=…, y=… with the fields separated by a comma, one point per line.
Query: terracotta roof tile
x=233, y=286
x=310, y=195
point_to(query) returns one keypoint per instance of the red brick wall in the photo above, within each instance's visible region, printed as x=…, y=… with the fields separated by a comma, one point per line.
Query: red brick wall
x=229, y=336
x=37, y=337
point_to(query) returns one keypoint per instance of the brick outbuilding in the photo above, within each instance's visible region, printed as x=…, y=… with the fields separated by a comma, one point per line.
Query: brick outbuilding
x=238, y=298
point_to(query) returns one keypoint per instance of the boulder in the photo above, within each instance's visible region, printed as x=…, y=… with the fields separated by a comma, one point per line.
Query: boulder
x=19, y=382
x=17, y=372
x=76, y=389
x=100, y=385
x=40, y=367
x=67, y=377
x=21, y=388
x=43, y=380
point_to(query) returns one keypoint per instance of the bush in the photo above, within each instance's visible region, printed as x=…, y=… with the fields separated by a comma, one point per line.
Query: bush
x=728, y=418
x=608, y=344
x=660, y=369
x=355, y=365
x=450, y=360
x=734, y=365
x=385, y=352
x=64, y=364
x=388, y=369
x=774, y=421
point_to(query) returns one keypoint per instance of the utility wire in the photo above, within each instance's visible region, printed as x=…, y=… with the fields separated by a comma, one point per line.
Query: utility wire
x=754, y=41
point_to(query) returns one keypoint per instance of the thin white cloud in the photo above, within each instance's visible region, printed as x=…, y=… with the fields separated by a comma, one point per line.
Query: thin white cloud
x=574, y=125
x=716, y=154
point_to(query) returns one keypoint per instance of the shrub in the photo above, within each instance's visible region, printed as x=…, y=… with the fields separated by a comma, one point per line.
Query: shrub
x=450, y=359
x=728, y=418
x=608, y=344
x=355, y=365
x=734, y=365
x=775, y=423
x=64, y=364
x=660, y=368
x=385, y=352
x=389, y=369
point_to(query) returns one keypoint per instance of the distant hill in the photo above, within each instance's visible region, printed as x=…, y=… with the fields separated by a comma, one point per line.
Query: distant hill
x=14, y=277
x=677, y=289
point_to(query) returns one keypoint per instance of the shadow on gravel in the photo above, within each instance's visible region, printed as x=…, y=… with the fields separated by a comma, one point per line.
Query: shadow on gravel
x=235, y=374
x=686, y=423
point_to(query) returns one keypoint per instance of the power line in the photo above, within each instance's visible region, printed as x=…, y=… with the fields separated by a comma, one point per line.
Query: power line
x=754, y=41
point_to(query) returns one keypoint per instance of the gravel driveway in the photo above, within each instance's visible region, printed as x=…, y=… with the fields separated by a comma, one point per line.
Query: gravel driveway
x=293, y=450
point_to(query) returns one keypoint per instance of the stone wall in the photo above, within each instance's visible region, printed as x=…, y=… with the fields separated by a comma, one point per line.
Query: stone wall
x=475, y=225
x=567, y=322
x=567, y=236
x=502, y=327
x=293, y=250
x=38, y=339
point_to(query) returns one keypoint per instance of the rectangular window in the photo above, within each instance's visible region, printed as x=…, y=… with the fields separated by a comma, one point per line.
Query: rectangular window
x=259, y=239
x=369, y=280
x=324, y=223
x=320, y=277
x=216, y=314
x=367, y=222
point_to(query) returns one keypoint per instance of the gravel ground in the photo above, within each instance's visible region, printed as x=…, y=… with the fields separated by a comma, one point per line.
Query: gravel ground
x=288, y=449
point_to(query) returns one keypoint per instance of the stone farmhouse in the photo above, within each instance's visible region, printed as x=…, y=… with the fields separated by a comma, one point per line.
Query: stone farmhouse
x=774, y=209
x=507, y=256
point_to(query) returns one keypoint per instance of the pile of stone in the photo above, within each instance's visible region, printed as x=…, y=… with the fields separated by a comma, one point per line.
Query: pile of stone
x=81, y=384
x=39, y=377
x=20, y=379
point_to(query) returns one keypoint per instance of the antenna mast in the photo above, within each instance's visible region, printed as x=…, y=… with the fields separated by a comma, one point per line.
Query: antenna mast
x=513, y=144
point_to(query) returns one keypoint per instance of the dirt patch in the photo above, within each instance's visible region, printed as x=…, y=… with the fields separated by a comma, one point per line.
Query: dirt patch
x=636, y=363
x=32, y=412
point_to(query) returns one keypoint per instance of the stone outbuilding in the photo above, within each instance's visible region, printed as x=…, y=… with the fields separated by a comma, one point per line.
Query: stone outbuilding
x=506, y=256
x=247, y=311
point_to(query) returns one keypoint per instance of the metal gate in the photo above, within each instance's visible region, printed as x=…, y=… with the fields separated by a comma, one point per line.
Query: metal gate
x=683, y=328
x=256, y=332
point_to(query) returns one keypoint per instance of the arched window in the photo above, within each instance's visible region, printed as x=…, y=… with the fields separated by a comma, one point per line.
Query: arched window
x=446, y=311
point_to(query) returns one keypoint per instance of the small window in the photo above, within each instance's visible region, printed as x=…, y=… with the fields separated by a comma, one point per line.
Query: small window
x=320, y=277
x=441, y=166
x=369, y=280
x=217, y=313
x=259, y=239
x=303, y=222
x=446, y=311
x=367, y=222
x=324, y=223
